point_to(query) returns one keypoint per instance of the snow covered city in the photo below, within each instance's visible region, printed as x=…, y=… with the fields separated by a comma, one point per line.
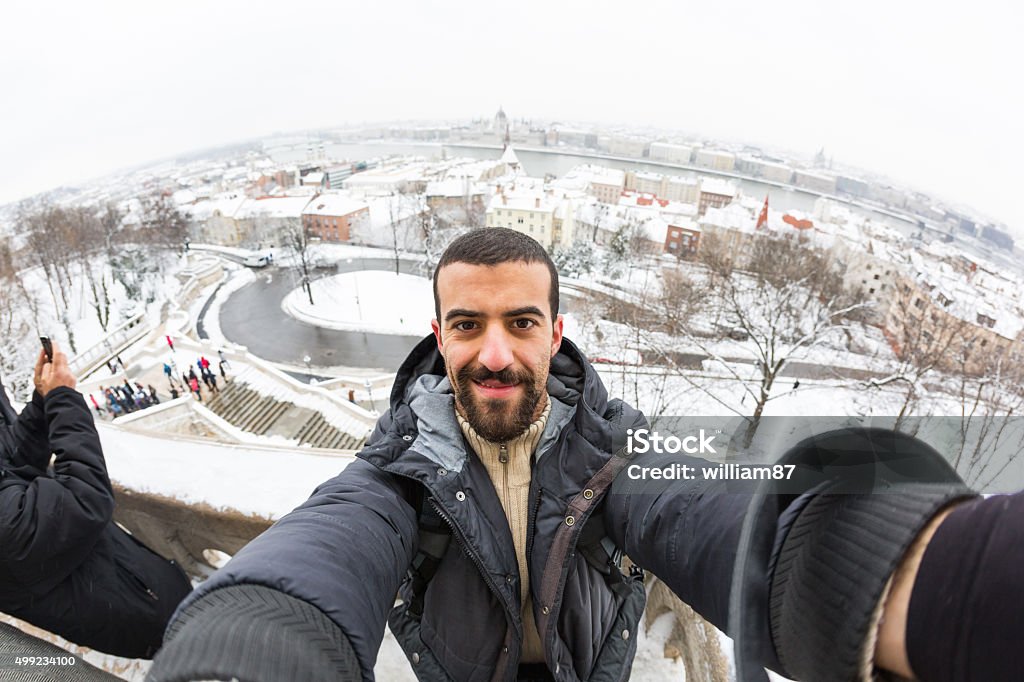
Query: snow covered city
x=524, y=343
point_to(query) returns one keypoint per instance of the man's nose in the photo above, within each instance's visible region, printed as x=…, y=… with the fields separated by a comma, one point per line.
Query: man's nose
x=496, y=352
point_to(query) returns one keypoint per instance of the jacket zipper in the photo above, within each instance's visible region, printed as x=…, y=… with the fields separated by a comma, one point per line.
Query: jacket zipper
x=503, y=458
x=531, y=519
x=450, y=521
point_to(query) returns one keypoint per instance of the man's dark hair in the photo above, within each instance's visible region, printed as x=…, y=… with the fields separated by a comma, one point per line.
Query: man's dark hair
x=492, y=246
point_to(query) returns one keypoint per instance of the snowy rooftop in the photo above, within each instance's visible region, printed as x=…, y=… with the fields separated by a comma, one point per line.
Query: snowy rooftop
x=333, y=204
x=716, y=186
x=454, y=187
x=509, y=157
x=967, y=298
x=815, y=175
x=716, y=152
x=223, y=205
x=273, y=207
x=469, y=168
x=598, y=174
x=729, y=217
x=388, y=175
x=524, y=200
x=680, y=180
x=645, y=200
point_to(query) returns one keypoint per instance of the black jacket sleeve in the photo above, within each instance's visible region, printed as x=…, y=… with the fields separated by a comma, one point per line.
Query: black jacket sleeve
x=964, y=620
x=344, y=552
x=31, y=435
x=50, y=524
x=684, y=532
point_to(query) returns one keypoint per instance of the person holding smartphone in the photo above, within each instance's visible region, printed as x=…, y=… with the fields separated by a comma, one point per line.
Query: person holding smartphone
x=65, y=566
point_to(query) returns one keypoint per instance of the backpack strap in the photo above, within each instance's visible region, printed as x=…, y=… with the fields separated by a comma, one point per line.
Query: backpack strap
x=434, y=536
x=604, y=555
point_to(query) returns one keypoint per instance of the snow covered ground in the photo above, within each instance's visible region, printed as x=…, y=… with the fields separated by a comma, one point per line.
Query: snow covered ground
x=266, y=481
x=369, y=301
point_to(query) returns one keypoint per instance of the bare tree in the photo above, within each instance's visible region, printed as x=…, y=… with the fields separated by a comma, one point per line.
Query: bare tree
x=162, y=223
x=990, y=439
x=111, y=224
x=90, y=244
x=298, y=238
x=778, y=298
x=924, y=339
x=16, y=360
x=47, y=238
x=680, y=299
x=51, y=240
x=438, y=233
x=409, y=220
x=788, y=299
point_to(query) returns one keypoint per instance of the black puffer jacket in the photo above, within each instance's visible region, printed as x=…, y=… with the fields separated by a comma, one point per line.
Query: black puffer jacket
x=346, y=550
x=64, y=565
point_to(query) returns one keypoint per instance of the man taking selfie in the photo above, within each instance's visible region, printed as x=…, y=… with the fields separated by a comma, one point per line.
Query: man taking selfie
x=489, y=500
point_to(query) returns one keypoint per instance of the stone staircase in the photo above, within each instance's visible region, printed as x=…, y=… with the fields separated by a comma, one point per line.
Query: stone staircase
x=275, y=414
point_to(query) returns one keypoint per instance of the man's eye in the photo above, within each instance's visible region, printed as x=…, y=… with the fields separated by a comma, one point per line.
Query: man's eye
x=524, y=323
x=465, y=325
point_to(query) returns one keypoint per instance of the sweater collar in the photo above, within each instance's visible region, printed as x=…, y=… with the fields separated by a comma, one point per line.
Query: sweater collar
x=526, y=442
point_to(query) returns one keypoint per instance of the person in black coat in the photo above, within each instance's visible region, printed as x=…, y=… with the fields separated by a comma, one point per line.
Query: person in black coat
x=65, y=566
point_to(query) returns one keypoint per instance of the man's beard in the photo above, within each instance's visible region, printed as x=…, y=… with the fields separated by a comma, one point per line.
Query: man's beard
x=497, y=420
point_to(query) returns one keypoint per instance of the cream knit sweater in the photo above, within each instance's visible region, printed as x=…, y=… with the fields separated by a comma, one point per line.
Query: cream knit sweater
x=509, y=466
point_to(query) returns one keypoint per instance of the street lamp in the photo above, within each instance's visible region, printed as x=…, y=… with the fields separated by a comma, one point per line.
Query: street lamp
x=369, y=391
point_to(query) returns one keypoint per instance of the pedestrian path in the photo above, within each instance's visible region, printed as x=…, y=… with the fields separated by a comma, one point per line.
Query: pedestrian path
x=248, y=403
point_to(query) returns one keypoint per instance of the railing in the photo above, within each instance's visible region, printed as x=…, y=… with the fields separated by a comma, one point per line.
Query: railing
x=197, y=279
x=113, y=343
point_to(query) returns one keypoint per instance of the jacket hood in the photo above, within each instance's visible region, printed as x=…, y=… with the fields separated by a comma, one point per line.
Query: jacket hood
x=422, y=388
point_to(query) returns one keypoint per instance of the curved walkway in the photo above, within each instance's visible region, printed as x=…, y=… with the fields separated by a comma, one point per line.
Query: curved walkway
x=252, y=317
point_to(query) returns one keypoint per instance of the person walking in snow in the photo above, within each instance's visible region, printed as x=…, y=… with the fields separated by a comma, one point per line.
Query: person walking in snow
x=211, y=381
x=96, y=405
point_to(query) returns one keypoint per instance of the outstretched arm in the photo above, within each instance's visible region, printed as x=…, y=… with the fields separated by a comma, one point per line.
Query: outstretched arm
x=953, y=612
x=684, y=532
x=321, y=579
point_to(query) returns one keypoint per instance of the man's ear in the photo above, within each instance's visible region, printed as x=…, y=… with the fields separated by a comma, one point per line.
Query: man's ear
x=435, y=326
x=556, y=335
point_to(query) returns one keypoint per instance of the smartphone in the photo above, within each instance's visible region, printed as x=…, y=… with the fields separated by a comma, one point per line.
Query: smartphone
x=47, y=347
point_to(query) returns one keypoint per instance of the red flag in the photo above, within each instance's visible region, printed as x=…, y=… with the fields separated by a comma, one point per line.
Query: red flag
x=762, y=219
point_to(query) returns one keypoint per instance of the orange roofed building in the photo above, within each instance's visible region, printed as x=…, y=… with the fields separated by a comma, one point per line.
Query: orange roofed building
x=331, y=217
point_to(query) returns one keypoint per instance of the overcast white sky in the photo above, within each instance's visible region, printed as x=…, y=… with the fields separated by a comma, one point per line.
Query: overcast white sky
x=929, y=95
